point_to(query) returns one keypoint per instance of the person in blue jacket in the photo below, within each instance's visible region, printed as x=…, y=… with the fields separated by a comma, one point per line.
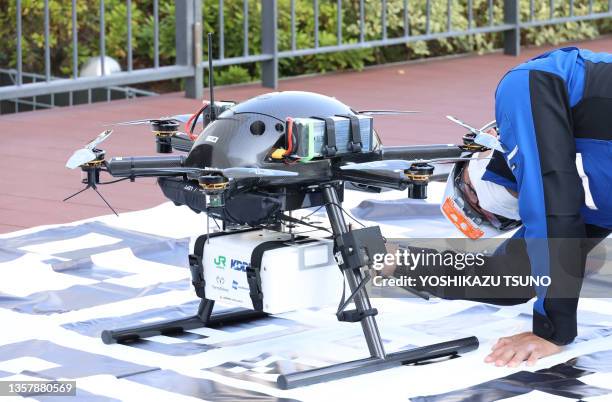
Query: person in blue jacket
x=554, y=118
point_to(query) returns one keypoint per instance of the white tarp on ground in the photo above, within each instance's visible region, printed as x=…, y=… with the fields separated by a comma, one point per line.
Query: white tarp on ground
x=61, y=285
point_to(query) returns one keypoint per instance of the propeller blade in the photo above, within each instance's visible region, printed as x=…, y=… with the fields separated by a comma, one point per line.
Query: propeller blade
x=397, y=165
x=464, y=125
x=387, y=112
x=385, y=166
x=184, y=118
x=487, y=140
x=482, y=138
x=146, y=121
x=131, y=122
x=86, y=154
x=177, y=170
x=80, y=157
x=246, y=173
x=453, y=160
x=489, y=125
x=100, y=138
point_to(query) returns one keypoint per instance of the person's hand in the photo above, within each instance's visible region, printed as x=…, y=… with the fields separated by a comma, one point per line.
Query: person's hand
x=389, y=269
x=511, y=351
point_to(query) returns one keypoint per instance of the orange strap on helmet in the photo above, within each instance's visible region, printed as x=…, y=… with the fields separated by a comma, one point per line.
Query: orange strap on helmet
x=455, y=214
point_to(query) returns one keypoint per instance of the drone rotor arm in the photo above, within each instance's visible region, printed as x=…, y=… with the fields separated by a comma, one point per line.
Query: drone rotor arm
x=146, y=166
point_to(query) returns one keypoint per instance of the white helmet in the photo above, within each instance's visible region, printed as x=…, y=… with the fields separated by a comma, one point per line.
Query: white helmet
x=478, y=206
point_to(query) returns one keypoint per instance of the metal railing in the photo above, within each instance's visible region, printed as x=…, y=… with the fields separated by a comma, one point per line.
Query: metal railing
x=71, y=98
x=189, y=64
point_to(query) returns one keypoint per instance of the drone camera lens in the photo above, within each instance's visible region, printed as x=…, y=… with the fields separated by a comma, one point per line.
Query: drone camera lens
x=258, y=127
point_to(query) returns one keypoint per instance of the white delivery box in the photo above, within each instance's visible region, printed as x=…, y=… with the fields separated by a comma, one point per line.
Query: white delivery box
x=294, y=275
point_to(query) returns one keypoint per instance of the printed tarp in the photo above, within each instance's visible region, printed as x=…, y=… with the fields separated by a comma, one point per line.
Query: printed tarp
x=60, y=286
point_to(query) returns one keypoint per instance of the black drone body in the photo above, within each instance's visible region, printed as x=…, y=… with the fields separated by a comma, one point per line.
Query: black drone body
x=255, y=161
x=269, y=155
x=273, y=153
x=245, y=134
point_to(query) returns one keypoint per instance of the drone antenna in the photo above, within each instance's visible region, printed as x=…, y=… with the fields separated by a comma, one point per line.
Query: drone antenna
x=211, y=80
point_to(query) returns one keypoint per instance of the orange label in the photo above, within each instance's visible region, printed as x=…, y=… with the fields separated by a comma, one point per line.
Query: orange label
x=454, y=214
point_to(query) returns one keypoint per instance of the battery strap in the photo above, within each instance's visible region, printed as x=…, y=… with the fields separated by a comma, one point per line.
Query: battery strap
x=195, y=264
x=329, y=148
x=253, y=271
x=195, y=260
x=355, y=143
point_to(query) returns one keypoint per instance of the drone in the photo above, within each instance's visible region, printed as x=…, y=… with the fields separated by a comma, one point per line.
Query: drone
x=252, y=164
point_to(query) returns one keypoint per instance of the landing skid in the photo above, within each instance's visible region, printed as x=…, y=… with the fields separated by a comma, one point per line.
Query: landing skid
x=363, y=313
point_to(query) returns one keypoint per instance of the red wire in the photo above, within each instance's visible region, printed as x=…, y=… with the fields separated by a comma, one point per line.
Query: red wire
x=188, y=124
x=290, y=136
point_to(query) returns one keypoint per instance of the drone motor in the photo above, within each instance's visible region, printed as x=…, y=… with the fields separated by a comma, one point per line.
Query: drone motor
x=419, y=174
x=91, y=170
x=214, y=187
x=164, y=130
x=470, y=145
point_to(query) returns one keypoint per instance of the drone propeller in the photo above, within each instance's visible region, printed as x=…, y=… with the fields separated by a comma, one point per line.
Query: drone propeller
x=387, y=112
x=397, y=165
x=482, y=138
x=489, y=125
x=181, y=118
x=86, y=154
x=230, y=173
x=100, y=138
x=178, y=118
x=184, y=118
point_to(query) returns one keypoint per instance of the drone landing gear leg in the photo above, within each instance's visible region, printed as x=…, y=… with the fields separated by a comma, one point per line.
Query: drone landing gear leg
x=364, y=313
x=93, y=179
x=203, y=318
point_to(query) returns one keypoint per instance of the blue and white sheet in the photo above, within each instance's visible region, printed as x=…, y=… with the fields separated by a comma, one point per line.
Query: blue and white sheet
x=60, y=286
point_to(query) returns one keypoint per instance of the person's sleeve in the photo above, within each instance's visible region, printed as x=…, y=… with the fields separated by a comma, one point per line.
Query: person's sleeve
x=534, y=118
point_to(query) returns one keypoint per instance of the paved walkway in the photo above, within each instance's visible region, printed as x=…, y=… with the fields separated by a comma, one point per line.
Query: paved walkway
x=36, y=145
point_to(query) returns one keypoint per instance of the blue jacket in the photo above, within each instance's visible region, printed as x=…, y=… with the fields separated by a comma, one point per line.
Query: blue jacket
x=554, y=114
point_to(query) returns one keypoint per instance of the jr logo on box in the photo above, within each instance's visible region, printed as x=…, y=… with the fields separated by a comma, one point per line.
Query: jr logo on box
x=219, y=262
